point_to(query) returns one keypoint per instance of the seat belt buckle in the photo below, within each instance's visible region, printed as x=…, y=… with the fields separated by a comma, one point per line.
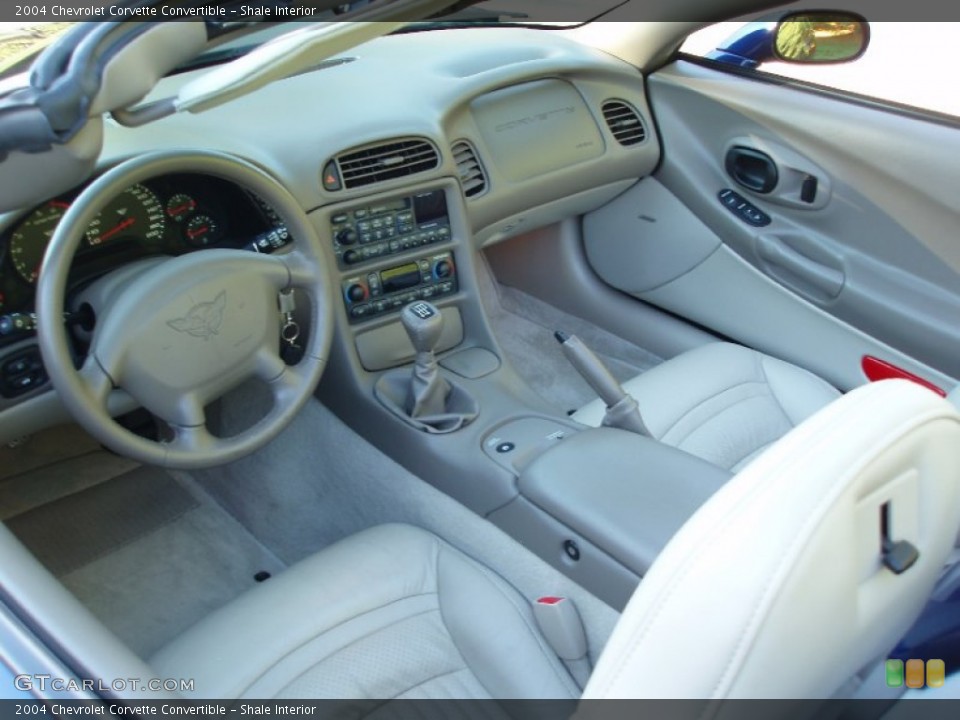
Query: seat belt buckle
x=561, y=626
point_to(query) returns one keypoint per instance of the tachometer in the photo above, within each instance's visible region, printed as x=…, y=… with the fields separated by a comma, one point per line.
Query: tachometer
x=29, y=241
x=202, y=230
x=135, y=212
x=180, y=207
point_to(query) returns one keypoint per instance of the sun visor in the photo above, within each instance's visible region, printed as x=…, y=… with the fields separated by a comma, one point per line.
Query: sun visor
x=130, y=73
x=30, y=176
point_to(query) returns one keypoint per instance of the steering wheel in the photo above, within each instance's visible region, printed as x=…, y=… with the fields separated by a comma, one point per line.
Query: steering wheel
x=182, y=332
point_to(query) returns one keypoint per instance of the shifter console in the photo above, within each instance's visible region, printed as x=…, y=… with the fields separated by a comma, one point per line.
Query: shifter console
x=422, y=396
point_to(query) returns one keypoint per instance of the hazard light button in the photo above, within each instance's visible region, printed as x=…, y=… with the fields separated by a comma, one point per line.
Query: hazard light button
x=331, y=176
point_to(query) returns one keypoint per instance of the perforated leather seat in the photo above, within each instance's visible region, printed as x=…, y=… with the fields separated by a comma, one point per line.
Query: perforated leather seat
x=391, y=612
x=722, y=402
x=774, y=588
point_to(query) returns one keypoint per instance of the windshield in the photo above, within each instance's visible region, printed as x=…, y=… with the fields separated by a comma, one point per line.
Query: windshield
x=20, y=42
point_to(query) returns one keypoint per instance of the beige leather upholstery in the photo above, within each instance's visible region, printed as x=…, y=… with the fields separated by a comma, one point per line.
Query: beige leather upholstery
x=391, y=612
x=722, y=402
x=775, y=587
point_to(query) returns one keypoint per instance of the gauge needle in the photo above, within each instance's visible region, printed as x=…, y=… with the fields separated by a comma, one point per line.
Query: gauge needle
x=180, y=208
x=113, y=231
x=197, y=231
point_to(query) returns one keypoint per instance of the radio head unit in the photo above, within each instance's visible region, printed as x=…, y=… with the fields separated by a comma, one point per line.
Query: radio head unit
x=367, y=232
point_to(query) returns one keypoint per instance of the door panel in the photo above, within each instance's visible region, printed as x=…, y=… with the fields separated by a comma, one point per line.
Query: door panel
x=802, y=264
x=862, y=232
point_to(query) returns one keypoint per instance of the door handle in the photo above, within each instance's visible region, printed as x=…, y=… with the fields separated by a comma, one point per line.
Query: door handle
x=752, y=169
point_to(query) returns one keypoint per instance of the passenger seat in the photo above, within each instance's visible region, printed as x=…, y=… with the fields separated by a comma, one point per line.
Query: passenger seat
x=722, y=402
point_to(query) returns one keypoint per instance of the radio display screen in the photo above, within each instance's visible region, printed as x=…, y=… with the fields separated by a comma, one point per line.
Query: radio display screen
x=390, y=205
x=430, y=206
x=400, y=278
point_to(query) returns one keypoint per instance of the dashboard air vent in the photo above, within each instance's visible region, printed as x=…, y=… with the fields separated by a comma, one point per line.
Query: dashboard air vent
x=472, y=177
x=387, y=162
x=624, y=122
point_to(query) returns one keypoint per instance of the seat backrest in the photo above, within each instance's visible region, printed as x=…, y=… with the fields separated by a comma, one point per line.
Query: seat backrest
x=776, y=587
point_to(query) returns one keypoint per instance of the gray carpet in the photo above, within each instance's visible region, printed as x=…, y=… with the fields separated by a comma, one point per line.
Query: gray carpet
x=524, y=327
x=147, y=553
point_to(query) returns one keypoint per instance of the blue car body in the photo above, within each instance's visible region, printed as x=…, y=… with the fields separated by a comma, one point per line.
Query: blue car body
x=750, y=46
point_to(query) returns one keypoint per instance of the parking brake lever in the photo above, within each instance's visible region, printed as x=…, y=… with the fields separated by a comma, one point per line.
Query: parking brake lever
x=622, y=410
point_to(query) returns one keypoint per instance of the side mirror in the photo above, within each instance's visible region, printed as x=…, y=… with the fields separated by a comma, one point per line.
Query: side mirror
x=821, y=37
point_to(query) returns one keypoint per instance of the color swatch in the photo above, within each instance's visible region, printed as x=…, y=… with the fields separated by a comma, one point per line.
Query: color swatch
x=915, y=673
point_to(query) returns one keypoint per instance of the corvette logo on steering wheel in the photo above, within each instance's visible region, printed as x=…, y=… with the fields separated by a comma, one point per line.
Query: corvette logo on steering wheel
x=204, y=319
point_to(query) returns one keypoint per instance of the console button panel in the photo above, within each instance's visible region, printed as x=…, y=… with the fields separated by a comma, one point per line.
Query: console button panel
x=368, y=232
x=22, y=372
x=375, y=293
x=743, y=209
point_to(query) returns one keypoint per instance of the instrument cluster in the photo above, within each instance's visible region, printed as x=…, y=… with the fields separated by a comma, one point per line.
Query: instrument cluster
x=169, y=215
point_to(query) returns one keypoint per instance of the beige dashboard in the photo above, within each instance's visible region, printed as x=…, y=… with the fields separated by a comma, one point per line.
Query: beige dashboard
x=531, y=104
x=528, y=127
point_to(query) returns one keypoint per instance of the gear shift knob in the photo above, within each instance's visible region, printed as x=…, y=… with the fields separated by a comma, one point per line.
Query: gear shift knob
x=422, y=396
x=424, y=325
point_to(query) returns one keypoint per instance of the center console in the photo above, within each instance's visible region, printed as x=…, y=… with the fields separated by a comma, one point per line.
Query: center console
x=390, y=249
x=603, y=503
x=367, y=233
x=437, y=395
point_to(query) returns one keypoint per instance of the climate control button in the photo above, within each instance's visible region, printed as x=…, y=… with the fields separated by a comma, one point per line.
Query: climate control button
x=443, y=269
x=357, y=293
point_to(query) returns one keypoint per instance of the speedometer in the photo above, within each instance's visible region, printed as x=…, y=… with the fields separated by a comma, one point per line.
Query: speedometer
x=29, y=241
x=136, y=212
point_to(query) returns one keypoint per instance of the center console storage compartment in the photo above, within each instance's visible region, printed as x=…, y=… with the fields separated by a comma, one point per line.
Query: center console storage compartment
x=388, y=346
x=602, y=504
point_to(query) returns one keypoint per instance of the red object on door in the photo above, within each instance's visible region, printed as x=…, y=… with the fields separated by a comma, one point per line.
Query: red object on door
x=550, y=600
x=877, y=369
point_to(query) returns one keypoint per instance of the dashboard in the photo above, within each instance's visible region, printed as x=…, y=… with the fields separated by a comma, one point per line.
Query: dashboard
x=518, y=128
x=169, y=215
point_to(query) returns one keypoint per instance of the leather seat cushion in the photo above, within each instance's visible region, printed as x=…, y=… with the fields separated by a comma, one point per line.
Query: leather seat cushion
x=391, y=612
x=722, y=402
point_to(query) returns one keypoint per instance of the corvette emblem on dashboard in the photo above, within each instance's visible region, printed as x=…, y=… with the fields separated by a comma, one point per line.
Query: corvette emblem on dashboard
x=203, y=319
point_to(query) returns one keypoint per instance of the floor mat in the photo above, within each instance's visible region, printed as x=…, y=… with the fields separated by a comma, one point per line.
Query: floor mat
x=43, y=485
x=76, y=530
x=524, y=327
x=53, y=463
x=45, y=448
x=147, y=553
